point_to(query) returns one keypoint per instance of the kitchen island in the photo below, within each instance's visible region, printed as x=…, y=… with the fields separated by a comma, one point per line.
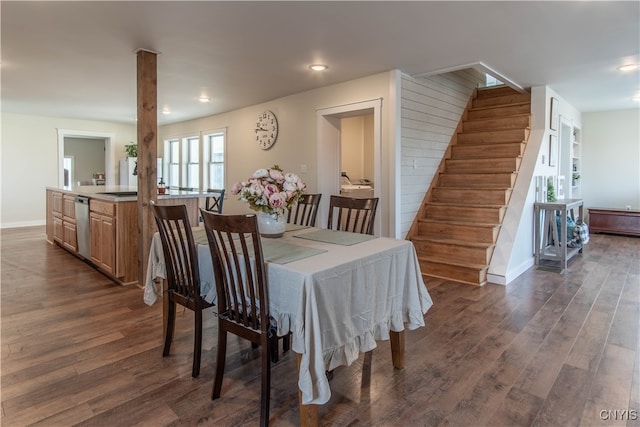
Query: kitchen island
x=99, y=224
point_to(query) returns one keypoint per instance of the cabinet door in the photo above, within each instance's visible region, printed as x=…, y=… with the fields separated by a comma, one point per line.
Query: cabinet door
x=95, y=229
x=58, y=231
x=70, y=240
x=107, y=244
x=102, y=241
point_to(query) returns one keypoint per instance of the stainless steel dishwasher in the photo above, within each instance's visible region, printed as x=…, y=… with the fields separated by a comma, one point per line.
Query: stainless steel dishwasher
x=82, y=226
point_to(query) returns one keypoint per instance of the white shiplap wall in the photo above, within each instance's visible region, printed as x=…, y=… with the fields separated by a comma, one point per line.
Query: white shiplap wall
x=430, y=109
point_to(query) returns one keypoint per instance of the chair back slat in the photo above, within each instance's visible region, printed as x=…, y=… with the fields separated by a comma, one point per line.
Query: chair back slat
x=180, y=253
x=238, y=264
x=305, y=212
x=214, y=203
x=350, y=214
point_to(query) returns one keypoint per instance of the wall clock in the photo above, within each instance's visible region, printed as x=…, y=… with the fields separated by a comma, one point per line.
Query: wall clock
x=266, y=130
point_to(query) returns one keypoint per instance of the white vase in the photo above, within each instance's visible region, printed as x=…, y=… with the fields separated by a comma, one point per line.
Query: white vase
x=270, y=226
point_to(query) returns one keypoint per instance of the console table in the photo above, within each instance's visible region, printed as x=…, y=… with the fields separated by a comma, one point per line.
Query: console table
x=551, y=248
x=618, y=221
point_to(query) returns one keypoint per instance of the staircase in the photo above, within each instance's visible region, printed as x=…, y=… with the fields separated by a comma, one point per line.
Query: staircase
x=457, y=226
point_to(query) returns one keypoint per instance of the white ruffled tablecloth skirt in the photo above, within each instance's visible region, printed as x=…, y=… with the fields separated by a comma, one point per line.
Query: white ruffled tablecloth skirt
x=339, y=303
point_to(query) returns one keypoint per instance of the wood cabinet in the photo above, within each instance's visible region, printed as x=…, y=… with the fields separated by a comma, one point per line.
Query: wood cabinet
x=617, y=221
x=69, y=230
x=114, y=238
x=56, y=231
x=61, y=220
x=102, y=228
x=113, y=233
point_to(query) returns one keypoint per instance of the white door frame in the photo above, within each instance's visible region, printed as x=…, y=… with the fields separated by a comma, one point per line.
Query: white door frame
x=328, y=151
x=108, y=137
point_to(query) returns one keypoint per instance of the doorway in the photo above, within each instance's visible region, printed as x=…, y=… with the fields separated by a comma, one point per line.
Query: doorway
x=103, y=142
x=330, y=165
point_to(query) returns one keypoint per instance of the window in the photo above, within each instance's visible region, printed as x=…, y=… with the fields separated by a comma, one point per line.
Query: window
x=192, y=161
x=214, y=148
x=192, y=164
x=172, y=153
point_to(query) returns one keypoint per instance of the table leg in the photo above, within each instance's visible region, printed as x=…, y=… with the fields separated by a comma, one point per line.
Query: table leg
x=308, y=413
x=397, y=349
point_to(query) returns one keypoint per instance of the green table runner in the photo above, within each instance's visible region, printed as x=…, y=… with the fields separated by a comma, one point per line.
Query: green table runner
x=336, y=237
x=273, y=250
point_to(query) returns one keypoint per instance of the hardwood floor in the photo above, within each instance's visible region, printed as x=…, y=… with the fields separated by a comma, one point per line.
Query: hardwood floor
x=548, y=349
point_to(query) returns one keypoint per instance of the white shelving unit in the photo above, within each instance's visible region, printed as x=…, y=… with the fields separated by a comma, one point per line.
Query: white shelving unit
x=576, y=162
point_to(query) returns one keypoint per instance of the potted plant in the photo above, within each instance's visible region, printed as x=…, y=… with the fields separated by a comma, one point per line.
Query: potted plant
x=575, y=177
x=131, y=150
x=551, y=193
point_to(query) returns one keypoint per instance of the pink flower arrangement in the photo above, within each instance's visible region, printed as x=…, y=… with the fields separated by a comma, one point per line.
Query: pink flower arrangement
x=271, y=191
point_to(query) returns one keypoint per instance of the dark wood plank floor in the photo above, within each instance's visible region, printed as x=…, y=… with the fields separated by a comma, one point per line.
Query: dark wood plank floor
x=549, y=349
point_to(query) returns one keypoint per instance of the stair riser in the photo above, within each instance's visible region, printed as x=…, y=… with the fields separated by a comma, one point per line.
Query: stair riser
x=498, y=180
x=470, y=233
x=494, y=137
x=512, y=122
x=454, y=253
x=501, y=100
x=510, y=110
x=467, y=213
x=491, y=92
x=470, y=197
x=456, y=273
x=487, y=151
x=506, y=165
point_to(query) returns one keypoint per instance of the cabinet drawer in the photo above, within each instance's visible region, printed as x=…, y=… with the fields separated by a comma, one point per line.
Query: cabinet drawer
x=104, y=208
x=56, y=201
x=69, y=207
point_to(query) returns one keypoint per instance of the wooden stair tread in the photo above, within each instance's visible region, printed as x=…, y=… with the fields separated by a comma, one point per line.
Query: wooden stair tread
x=462, y=205
x=454, y=188
x=426, y=258
x=489, y=107
x=489, y=119
x=458, y=222
x=454, y=242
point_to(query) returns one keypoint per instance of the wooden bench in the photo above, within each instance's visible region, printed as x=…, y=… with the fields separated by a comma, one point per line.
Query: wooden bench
x=617, y=221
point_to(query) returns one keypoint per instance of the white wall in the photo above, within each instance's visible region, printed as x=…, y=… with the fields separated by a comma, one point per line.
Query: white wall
x=611, y=159
x=296, y=144
x=29, y=159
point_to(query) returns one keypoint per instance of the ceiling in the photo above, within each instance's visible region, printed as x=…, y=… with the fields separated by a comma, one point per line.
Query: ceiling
x=77, y=60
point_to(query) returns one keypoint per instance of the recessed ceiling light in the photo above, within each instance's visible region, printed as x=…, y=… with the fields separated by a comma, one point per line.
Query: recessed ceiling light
x=166, y=111
x=318, y=67
x=636, y=98
x=204, y=99
x=629, y=67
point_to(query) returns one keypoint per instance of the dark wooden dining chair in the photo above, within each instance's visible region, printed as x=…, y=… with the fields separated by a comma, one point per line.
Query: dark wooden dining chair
x=183, y=275
x=214, y=203
x=305, y=212
x=354, y=215
x=243, y=293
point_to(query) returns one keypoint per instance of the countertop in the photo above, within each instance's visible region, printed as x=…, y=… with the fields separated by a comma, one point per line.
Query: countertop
x=96, y=192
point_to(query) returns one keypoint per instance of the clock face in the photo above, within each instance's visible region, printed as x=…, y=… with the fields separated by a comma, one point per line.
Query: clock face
x=266, y=130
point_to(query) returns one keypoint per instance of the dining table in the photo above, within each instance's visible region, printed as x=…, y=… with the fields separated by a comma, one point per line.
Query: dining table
x=336, y=292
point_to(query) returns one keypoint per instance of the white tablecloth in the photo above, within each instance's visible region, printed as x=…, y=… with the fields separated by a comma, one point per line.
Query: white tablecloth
x=156, y=269
x=339, y=302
